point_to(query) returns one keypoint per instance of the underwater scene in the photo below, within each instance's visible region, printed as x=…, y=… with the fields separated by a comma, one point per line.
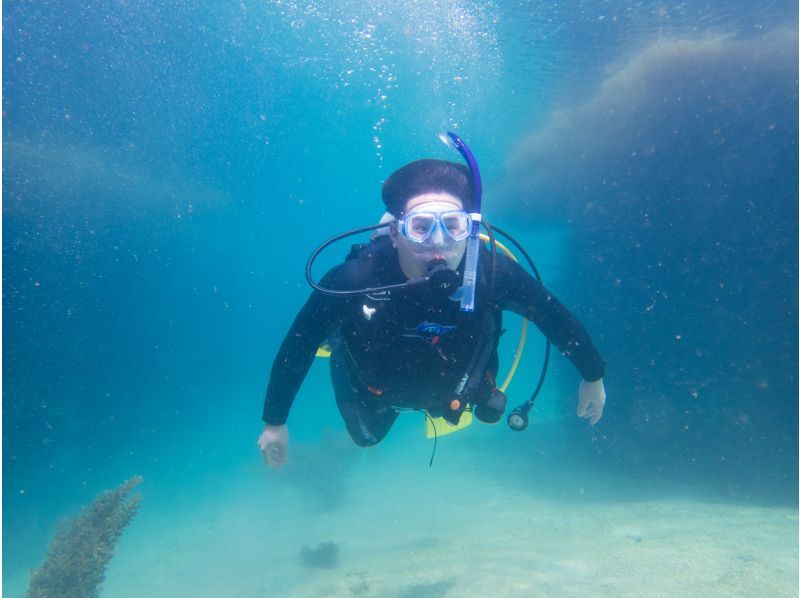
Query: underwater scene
x=170, y=167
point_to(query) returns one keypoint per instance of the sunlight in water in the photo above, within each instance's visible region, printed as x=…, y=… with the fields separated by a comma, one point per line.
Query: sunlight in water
x=380, y=50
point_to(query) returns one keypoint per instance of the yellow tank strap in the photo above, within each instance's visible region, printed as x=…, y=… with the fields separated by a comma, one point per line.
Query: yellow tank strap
x=523, y=334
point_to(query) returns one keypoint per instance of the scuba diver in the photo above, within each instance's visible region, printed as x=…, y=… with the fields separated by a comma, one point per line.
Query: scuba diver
x=412, y=319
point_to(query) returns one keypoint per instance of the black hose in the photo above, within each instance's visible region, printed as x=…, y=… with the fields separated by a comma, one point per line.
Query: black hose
x=528, y=405
x=435, y=436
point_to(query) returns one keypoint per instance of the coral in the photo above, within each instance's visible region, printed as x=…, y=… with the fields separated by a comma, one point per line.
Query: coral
x=82, y=548
x=324, y=556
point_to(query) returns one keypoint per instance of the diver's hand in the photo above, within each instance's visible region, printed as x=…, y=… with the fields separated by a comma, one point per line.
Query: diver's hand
x=274, y=444
x=591, y=400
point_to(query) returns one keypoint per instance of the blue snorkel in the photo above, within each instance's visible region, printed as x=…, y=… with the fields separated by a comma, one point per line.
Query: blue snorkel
x=473, y=242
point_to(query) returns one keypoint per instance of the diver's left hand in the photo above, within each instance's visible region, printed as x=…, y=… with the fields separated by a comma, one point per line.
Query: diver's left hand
x=591, y=400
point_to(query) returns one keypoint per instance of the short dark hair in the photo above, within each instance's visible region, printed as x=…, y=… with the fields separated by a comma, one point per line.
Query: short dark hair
x=427, y=176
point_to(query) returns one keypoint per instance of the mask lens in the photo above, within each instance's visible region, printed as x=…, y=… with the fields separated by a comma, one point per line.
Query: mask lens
x=418, y=226
x=457, y=224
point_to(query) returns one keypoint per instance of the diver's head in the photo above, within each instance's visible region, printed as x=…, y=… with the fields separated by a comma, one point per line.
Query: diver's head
x=430, y=200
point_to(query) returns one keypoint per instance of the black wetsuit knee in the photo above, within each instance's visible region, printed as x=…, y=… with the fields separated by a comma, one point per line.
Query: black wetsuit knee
x=366, y=422
x=491, y=410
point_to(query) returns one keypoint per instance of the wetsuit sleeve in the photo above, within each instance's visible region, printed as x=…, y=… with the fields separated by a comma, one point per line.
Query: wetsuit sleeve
x=318, y=318
x=519, y=292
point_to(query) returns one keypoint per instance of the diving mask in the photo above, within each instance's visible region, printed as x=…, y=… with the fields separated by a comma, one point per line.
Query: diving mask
x=419, y=225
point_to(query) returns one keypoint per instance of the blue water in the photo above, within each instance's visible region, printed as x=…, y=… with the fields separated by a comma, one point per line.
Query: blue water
x=168, y=168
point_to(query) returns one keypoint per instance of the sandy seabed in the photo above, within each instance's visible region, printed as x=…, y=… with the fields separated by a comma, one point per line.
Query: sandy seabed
x=410, y=531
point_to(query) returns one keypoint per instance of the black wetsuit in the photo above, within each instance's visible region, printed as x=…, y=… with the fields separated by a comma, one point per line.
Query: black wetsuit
x=413, y=349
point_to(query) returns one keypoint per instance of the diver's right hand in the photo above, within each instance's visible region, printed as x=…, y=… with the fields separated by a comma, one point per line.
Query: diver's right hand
x=274, y=444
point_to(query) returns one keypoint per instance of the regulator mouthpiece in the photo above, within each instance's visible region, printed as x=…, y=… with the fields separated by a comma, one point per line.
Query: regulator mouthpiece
x=441, y=277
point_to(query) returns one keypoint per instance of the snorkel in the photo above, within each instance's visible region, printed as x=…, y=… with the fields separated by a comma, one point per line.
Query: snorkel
x=473, y=242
